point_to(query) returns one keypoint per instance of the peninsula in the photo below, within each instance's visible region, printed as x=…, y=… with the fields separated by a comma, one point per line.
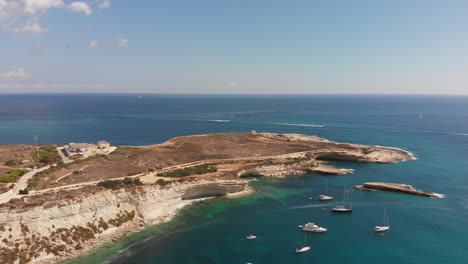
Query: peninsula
x=396, y=187
x=69, y=207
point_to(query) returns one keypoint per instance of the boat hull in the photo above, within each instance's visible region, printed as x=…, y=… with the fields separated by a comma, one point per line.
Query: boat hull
x=342, y=210
x=380, y=229
x=302, y=250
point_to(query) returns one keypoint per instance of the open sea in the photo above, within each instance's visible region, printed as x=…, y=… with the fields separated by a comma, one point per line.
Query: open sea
x=423, y=230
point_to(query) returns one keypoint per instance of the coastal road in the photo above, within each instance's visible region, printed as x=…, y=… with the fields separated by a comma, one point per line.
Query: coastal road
x=152, y=177
x=20, y=185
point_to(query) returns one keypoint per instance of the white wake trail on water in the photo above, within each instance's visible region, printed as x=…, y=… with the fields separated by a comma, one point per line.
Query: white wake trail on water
x=294, y=124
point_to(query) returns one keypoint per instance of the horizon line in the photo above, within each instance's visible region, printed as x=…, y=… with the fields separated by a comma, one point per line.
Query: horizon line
x=232, y=94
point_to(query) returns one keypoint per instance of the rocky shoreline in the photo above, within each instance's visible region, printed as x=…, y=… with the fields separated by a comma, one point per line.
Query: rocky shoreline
x=66, y=221
x=57, y=231
x=396, y=187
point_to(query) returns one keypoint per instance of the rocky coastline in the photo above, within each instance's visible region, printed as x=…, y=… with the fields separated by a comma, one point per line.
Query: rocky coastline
x=396, y=187
x=62, y=222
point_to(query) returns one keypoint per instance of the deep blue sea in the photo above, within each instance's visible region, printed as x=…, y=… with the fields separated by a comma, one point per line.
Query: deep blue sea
x=423, y=230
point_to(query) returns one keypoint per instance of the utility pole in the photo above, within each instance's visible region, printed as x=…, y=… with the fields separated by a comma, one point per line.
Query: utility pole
x=37, y=148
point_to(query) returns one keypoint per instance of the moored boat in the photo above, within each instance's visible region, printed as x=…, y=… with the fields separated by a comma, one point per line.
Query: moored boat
x=312, y=227
x=343, y=208
x=386, y=225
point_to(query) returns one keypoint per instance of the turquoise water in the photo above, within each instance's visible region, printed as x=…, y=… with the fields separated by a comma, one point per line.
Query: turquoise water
x=423, y=230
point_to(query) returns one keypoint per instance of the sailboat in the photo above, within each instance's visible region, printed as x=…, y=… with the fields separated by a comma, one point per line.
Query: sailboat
x=342, y=208
x=325, y=197
x=305, y=248
x=386, y=225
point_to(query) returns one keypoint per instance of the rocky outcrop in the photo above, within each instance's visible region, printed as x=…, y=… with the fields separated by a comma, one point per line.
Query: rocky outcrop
x=212, y=190
x=396, y=187
x=59, y=229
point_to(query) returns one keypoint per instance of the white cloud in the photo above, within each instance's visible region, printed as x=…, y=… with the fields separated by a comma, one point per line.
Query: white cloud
x=233, y=84
x=38, y=6
x=10, y=9
x=36, y=47
x=30, y=28
x=15, y=75
x=93, y=44
x=104, y=4
x=122, y=43
x=80, y=7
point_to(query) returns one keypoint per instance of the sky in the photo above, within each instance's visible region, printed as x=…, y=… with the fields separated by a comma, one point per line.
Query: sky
x=234, y=46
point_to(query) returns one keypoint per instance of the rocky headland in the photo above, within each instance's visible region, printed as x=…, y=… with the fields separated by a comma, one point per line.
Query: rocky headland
x=71, y=208
x=396, y=187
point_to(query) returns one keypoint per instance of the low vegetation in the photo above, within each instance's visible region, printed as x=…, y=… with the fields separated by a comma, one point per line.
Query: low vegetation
x=33, y=183
x=113, y=184
x=12, y=162
x=12, y=176
x=46, y=155
x=178, y=173
x=162, y=182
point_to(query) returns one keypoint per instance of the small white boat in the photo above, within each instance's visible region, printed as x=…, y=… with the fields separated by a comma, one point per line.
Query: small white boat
x=312, y=227
x=342, y=208
x=386, y=225
x=325, y=197
x=250, y=237
x=304, y=248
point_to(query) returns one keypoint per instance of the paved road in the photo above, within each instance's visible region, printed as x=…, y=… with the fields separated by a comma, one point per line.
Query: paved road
x=20, y=185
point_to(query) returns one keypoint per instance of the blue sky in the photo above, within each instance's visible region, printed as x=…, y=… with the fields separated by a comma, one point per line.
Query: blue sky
x=242, y=46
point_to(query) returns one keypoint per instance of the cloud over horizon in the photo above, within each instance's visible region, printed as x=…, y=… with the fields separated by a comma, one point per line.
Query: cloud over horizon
x=15, y=75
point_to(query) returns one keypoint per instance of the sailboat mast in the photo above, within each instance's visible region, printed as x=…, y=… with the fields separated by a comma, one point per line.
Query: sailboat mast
x=349, y=202
x=305, y=238
x=384, y=217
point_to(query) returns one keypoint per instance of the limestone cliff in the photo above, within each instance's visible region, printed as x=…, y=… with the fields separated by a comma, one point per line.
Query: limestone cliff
x=59, y=229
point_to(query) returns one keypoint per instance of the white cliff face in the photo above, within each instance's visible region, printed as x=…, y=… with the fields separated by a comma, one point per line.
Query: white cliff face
x=69, y=227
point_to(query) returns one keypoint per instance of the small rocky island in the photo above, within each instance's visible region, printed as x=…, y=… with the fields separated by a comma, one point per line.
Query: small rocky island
x=396, y=187
x=72, y=205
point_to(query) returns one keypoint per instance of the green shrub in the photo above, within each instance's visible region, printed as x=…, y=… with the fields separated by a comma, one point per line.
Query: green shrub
x=11, y=162
x=24, y=191
x=12, y=176
x=178, y=173
x=112, y=184
x=162, y=182
x=46, y=155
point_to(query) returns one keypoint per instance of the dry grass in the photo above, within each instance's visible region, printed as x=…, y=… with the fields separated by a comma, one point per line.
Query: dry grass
x=127, y=160
x=19, y=153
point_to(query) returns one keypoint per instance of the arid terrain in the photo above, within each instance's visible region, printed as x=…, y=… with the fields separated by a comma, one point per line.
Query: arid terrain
x=70, y=207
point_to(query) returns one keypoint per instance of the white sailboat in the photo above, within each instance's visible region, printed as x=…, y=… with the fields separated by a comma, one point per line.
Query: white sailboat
x=325, y=197
x=305, y=248
x=386, y=225
x=343, y=208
